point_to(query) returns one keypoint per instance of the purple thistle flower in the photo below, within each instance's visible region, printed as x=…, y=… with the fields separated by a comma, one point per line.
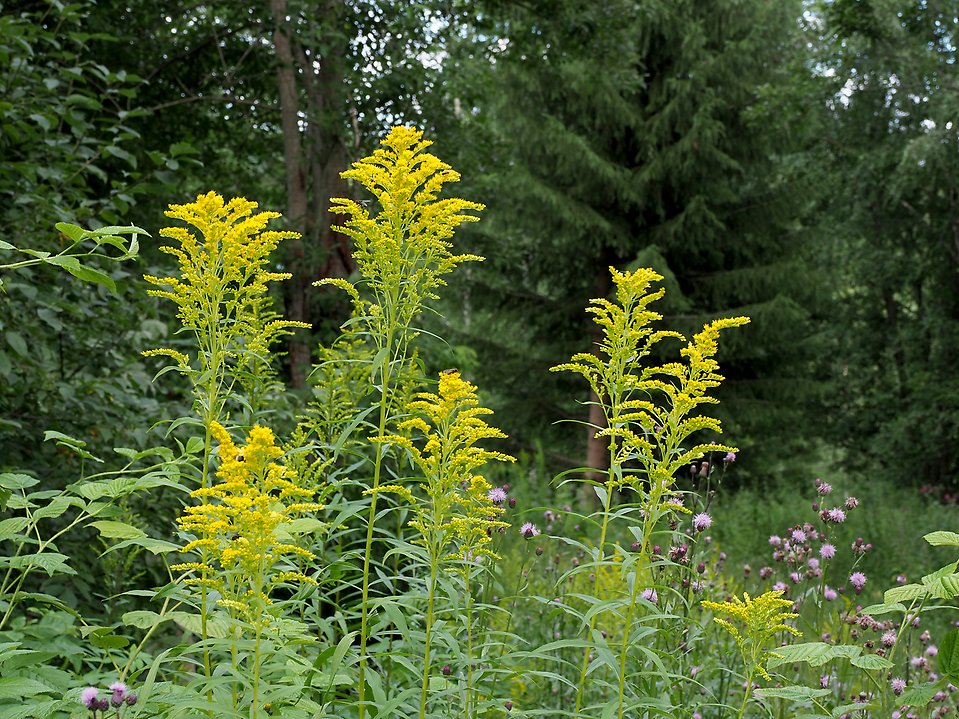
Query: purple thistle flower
x=529, y=530
x=775, y=540
x=118, y=693
x=497, y=495
x=829, y=594
x=798, y=535
x=851, y=502
x=827, y=551
x=779, y=587
x=836, y=515
x=89, y=697
x=730, y=457
x=824, y=488
x=131, y=699
x=857, y=580
x=702, y=521
x=794, y=576
x=650, y=595
x=889, y=638
x=898, y=685
x=932, y=650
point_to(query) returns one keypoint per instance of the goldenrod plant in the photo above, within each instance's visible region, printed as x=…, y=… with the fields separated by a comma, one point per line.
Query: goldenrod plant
x=649, y=413
x=456, y=515
x=241, y=530
x=402, y=254
x=756, y=625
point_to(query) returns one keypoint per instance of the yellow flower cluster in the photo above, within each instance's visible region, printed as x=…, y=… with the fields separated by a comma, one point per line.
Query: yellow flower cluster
x=638, y=427
x=762, y=619
x=221, y=291
x=403, y=251
x=237, y=527
x=457, y=507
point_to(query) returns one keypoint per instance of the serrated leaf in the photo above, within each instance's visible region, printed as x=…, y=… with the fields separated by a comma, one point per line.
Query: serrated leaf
x=942, y=539
x=9, y=480
x=939, y=574
x=110, y=529
x=945, y=587
x=905, y=593
x=947, y=661
x=19, y=687
x=918, y=696
x=217, y=625
x=74, y=232
x=849, y=708
x=50, y=562
x=29, y=711
x=152, y=545
x=871, y=662
x=792, y=693
x=12, y=526
x=797, y=653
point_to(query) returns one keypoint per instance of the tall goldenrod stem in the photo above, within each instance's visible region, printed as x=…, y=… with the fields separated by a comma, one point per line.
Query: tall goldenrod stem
x=434, y=562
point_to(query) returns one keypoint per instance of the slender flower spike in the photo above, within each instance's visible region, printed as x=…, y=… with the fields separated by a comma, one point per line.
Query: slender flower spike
x=755, y=624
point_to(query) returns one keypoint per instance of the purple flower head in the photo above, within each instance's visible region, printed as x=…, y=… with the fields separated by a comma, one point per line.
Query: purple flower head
x=497, y=495
x=829, y=594
x=932, y=650
x=798, y=535
x=131, y=699
x=823, y=487
x=889, y=638
x=702, y=521
x=851, y=502
x=529, y=530
x=827, y=551
x=857, y=580
x=900, y=579
x=779, y=587
x=794, y=576
x=650, y=595
x=898, y=685
x=824, y=681
x=775, y=540
x=118, y=692
x=89, y=697
x=836, y=515
x=765, y=572
x=730, y=457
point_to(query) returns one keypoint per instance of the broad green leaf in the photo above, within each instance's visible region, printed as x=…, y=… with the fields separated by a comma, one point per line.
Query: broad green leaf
x=945, y=587
x=905, y=593
x=877, y=609
x=29, y=710
x=847, y=709
x=20, y=687
x=17, y=343
x=4, y=245
x=110, y=529
x=919, y=696
x=17, y=481
x=942, y=539
x=792, y=693
x=939, y=574
x=50, y=562
x=217, y=625
x=142, y=619
x=55, y=508
x=74, y=232
x=947, y=661
x=871, y=661
x=813, y=653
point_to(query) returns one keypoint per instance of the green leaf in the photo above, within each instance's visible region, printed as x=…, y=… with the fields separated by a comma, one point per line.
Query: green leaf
x=4, y=245
x=50, y=562
x=905, y=593
x=792, y=693
x=74, y=232
x=29, y=710
x=55, y=508
x=813, y=653
x=143, y=619
x=884, y=608
x=870, y=662
x=19, y=687
x=919, y=696
x=154, y=546
x=84, y=273
x=217, y=625
x=947, y=661
x=17, y=343
x=12, y=481
x=109, y=529
x=942, y=539
x=929, y=579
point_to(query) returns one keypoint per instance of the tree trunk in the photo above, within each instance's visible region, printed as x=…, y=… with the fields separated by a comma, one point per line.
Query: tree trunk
x=296, y=192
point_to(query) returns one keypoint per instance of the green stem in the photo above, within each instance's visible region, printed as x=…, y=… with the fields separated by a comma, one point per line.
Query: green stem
x=434, y=563
x=469, y=642
x=368, y=551
x=599, y=560
x=749, y=689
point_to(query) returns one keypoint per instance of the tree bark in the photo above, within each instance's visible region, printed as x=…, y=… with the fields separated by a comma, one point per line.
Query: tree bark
x=296, y=192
